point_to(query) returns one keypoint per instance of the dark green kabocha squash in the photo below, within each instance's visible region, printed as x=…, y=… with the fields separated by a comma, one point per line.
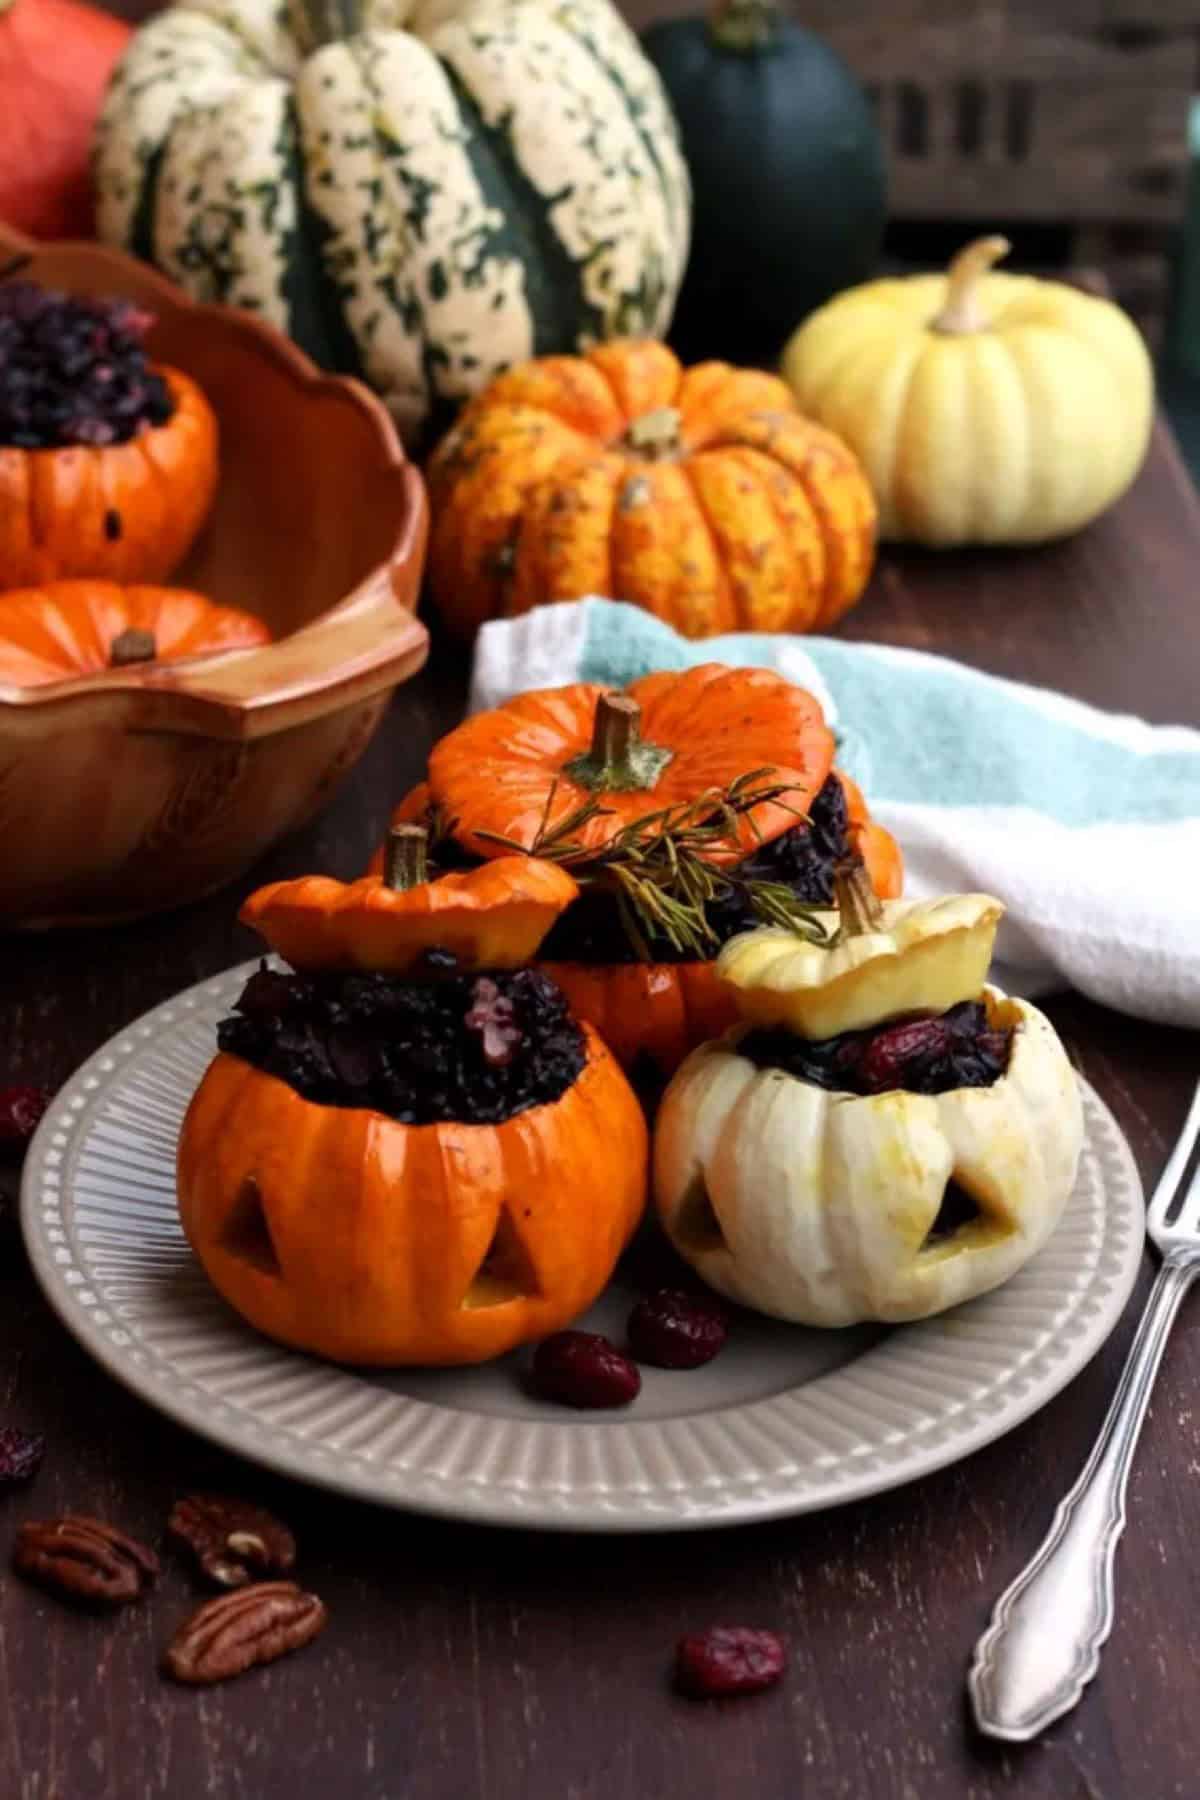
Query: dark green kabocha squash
x=788, y=177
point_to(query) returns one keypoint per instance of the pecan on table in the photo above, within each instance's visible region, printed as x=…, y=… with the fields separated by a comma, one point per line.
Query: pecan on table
x=235, y=1631
x=84, y=1559
x=233, y=1542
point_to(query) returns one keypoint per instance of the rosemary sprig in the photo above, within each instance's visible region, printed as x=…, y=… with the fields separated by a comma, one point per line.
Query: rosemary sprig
x=660, y=870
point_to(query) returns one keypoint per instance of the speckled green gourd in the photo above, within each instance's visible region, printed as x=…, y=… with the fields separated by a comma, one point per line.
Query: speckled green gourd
x=417, y=194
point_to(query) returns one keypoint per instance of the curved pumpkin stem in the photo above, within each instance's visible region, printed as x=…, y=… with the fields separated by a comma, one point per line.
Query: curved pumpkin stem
x=619, y=758
x=961, y=310
x=406, y=858
x=742, y=25
x=132, y=646
x=857, y=902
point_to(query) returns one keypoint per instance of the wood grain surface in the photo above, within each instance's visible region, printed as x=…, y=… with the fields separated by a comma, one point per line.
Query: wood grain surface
x=468, y=1664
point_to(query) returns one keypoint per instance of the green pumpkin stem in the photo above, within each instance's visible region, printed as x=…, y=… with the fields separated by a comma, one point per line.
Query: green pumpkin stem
x=744, y=25
x=619, y=759
x=406, y=858
x=858, y=905
x=132, y=646
x=961, y=312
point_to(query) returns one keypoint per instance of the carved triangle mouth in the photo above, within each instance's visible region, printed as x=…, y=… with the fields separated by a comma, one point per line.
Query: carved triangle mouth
x=246, y=1233
x=506, y=1272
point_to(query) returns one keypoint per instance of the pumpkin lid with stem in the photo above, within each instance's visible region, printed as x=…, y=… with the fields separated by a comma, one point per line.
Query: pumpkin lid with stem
x=491, y=917
x=69, y=629
x=608, y=760
x=880, y=960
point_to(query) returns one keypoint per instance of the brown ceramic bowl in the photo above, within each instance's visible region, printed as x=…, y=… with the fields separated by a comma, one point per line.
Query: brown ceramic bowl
x=131, y=791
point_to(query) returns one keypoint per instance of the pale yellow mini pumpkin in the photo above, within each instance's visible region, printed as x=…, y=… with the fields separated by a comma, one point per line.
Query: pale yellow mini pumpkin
x=986, y=408
x=817, y=1207
x=906, y=956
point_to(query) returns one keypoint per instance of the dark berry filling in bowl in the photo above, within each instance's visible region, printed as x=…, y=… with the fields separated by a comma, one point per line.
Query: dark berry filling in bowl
x=963, y=1048
x=473, y=1048
x=802, y=859
x=73, y=370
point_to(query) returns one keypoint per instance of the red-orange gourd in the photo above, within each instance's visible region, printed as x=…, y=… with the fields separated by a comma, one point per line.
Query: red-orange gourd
x=123, y=512
x=55, y=60
x=68, y=629
x=341, y=1230
x=700, y=494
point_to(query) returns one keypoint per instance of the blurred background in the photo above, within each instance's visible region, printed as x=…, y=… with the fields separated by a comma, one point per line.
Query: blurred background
x=1071, y=126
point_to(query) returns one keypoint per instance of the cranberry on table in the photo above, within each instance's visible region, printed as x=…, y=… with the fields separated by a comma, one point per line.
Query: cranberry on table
x=21, y=1109
x=581, y=1368
x=728, y=1660
x=672, y=1329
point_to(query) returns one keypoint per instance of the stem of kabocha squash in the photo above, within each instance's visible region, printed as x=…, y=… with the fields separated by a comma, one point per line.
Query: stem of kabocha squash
x=656, y=434
x=961, y=311
x=744, y=24
x=858, y=905
x=620, y=758
x=132, y=646
x=406, y=858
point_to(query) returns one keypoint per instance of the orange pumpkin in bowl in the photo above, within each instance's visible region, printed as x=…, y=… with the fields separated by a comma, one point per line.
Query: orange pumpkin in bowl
x=489, y=1206
x=703, y=495
x=733, y=766
x=69, y=629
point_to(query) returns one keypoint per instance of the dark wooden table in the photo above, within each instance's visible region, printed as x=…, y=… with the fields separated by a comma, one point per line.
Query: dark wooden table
x=468, y=1664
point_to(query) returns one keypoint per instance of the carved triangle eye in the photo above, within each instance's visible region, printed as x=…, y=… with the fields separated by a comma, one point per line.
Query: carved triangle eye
x=697, y=1226
x=506, y=1272
x=246, y=1233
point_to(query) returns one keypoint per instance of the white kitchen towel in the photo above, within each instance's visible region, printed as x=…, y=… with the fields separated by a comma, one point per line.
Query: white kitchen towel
x=1085, y=823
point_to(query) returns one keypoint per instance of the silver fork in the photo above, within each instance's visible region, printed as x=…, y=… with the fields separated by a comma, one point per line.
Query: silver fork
x=1043, y=1644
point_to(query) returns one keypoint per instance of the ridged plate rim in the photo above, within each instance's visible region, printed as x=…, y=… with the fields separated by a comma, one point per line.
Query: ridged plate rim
x=925, y=1396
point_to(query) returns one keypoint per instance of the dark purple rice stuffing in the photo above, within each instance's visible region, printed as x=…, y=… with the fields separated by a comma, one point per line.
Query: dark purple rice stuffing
x=960, y=1049
x=406, y=1048
x=802, y=859
x=73, y=370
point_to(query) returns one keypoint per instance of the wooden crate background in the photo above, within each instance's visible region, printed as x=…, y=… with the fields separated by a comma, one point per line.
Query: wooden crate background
x=1061, y=122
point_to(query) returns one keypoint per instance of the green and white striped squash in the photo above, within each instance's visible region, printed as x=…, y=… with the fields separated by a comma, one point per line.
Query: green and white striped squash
x=420, y=192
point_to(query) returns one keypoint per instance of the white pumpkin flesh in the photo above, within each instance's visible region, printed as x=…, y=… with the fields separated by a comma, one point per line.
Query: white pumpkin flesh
x=818, y=1207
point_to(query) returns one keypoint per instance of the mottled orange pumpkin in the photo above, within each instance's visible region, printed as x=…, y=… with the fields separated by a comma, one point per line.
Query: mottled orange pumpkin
x=125, y=512
x=71, y=628
x=342, y=1231
x=702, y=495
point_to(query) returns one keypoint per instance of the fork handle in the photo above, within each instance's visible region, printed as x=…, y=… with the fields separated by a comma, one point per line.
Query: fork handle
x=1043, y=1644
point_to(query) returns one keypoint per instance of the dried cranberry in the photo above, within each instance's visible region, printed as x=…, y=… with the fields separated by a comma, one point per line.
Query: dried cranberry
x=895, y=1049
x=21, y=1455
x=728, y=1659
x=21, y=1109
x=674, y=1330
x=491, y=1015
x=581, y=1368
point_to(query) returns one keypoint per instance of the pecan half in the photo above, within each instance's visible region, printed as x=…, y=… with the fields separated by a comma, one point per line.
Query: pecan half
x=235, y=1631
x=232, y=1541
x=84, y=1559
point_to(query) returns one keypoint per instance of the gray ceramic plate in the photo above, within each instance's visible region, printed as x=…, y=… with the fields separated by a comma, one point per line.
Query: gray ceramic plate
x=785, y=1421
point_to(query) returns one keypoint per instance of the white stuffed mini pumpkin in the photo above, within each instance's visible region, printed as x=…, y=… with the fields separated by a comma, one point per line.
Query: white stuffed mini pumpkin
x=802, y=1178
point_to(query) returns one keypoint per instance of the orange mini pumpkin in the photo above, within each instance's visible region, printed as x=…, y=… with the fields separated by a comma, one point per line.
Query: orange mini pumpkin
x=340, y=1230
x=702, y=495
x=124, y=512
x=72, y=628
x=669, y=740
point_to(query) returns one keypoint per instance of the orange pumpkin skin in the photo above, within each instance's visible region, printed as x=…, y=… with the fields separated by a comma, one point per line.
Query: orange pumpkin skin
x=494, y=772
x=68, y=628
x=124, y=512
x=348, y=1234
x=55, y=61
x=702, y=495
x=493, y=917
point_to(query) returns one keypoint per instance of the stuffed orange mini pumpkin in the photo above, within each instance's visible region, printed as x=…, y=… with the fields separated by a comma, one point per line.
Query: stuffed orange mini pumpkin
x=702, y=495
x=398, y=1158
x=72, y=628
x=108, y=464
x=690, y=807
